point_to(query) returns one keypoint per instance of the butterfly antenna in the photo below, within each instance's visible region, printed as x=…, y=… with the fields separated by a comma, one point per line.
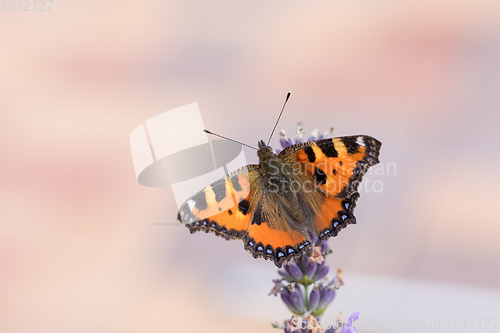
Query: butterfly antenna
x=283, y=108
x=220, y=136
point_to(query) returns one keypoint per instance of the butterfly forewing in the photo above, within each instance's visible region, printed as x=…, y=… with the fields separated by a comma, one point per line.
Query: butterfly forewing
x=218, y=197
x=335, y=165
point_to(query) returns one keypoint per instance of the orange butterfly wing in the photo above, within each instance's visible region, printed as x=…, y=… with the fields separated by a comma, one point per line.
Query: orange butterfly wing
x=220, y=207
x=210, y=210
x=335, y=215
x=337, y=166
x=269, y=242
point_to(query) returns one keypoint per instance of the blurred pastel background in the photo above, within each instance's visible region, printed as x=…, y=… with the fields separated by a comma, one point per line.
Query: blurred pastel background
x=85, y=248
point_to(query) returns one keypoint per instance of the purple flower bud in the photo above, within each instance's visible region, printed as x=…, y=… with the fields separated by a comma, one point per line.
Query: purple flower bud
x=297, y=298
x=287, y=277
x=314, y=239
x=314, y=299
x=285, y=142
x=285, y=297
x=321, y=272
x=326, y=298
x=324, y=248
x=293, y=270
x=303, y=262
x=310, y=269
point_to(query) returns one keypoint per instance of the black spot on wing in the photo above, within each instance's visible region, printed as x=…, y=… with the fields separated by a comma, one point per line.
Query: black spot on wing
x=257, y=217
x=327, y=148
x=320, y=176
x=219, y=188
x=244, y=206
x=310, y=154
x=230, y=212
x=350, y=144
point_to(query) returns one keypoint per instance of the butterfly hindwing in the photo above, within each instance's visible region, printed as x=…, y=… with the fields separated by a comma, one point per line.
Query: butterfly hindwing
x=269, y=241
x=270, y=234
x=335, y=214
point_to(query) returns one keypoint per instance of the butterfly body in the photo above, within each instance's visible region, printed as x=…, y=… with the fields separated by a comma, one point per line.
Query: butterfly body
x=309, y=188
x=282, y=195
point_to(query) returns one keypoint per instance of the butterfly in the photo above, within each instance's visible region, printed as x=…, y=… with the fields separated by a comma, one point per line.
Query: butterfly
x=274, y=206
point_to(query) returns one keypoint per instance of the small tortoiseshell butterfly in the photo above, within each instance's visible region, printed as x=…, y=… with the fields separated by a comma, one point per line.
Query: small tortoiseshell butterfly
x=307, y=188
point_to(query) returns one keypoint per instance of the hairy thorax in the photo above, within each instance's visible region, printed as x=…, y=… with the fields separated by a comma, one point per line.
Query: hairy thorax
x=282, y=182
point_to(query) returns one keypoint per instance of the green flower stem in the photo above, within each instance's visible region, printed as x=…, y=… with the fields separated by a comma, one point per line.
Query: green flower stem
x=306, y=287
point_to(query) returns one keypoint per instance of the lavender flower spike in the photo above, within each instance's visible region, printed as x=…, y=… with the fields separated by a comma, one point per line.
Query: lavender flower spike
x=306, y=303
